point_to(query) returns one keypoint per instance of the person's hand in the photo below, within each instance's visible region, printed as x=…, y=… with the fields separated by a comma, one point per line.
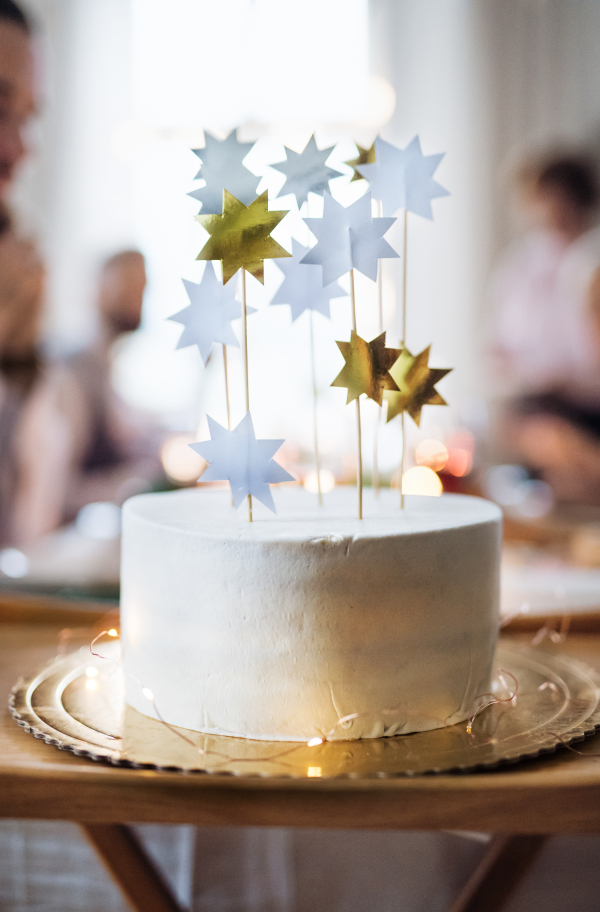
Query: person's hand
x=21, y=290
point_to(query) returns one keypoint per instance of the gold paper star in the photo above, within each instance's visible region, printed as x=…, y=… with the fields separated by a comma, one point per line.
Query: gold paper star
x=365, y=157
x=416, y=382
x=367, y=368
x=240, y=237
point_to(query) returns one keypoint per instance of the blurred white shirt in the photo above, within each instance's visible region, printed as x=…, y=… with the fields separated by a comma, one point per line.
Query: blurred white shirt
x=542, y=335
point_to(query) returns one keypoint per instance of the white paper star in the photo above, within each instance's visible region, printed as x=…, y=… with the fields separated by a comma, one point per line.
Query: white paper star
x=403, y=178
x=222, y=169
x=306, y=171
x=208, y=317
x=302, y=287
x=242, y=460
x=348, y=238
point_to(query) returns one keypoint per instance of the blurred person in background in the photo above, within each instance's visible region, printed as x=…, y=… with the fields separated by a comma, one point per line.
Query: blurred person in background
x=116, y=451
x=545, y=330
x=34, y=427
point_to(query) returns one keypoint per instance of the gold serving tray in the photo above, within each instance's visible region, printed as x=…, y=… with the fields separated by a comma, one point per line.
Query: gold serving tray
x=60, y=706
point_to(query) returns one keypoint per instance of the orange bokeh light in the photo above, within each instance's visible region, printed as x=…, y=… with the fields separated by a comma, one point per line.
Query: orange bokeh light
x=460, y=463
x=431, y=453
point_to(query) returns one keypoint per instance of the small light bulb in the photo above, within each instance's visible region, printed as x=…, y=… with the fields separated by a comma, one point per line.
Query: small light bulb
x=314, y=742
x=314, y=772
x=112, y=632
x=91, y=684
x=147, y=693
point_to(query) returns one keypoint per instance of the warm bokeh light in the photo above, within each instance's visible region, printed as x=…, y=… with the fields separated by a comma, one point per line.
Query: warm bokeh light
x=91, y=684
x=91, y=672
x=431, y=453
x=147, y=693
x=314, y=742
x=327, y=481
x=112, y=632
x=314, y=772
x=181, y=464
x=460, y=463
x=421, y=480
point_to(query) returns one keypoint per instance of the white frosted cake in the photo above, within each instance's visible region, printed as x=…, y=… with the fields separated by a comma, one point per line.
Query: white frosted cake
x=279, y=628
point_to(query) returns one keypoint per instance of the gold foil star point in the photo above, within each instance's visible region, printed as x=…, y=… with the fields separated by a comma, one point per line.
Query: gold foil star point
x=367, y=368
x=364, y=157
x=416, y=383
x=241, y=236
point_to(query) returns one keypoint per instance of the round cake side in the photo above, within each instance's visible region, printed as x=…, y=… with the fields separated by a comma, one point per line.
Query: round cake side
x=280, y=628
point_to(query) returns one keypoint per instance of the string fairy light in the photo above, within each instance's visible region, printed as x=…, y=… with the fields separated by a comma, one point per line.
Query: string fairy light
x=511, y=699
x=226, y=758
x=313, y=742
x=342, y=722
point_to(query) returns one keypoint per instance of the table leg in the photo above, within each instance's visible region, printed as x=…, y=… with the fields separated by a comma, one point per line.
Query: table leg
x=505, y=862
x=130, y=867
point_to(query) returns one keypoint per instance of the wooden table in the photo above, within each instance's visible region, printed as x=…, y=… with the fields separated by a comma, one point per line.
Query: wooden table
x=526, y=803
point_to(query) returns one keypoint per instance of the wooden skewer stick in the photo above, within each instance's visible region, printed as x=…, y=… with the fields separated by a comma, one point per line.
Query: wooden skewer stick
x=404, y=278
x=402, y=344
x=359, y=471
x=380, y=320
x=226, y=374
x=402, y=460
x=246, y=376
x=227, y=401
x=314, y=382
x=315, y=417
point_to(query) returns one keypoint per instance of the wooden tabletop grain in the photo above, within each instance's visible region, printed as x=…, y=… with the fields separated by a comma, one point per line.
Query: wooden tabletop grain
x=560, y=793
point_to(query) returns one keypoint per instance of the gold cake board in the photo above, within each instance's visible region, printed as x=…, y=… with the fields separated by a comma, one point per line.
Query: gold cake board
x=62, y=707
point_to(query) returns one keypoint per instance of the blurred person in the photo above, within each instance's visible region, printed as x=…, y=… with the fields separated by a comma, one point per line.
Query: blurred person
x=34, y=430
x=545, y=330
x=117, y=452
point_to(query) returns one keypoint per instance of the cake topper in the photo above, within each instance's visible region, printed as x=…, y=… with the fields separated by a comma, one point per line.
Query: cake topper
x=241, y=236
x=348, y=238
x=364, y=157
x=306, y=171
x=403, y=178
x=222, y=167
x=400, y=179
x=303, y=288
x=207, y=318
x=242, y=460
x=416, y=384
x=367, y=368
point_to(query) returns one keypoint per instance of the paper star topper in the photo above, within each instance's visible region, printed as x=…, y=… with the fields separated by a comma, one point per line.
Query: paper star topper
x=364, y=157
x=416, y=382
x=242, y=460
x=367, y=368
x=403, y=178
x=306, y=171
x=348, y=238
x=302, y=287
x=208, y=317
x=240, y=237
x=222, y=168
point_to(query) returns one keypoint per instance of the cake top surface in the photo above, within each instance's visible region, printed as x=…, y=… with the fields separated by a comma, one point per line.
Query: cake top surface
x=209, y=513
